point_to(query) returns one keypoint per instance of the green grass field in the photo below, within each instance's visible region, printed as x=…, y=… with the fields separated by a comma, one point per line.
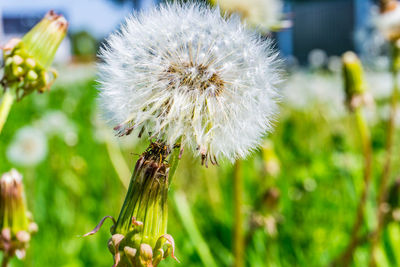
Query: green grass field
x=300, y=193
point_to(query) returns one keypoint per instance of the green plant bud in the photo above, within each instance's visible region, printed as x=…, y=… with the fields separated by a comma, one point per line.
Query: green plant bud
x=44, y=77
x=35, y=51
x=17, y=60
x=146, y=255
x=354, y=83
x=31, y=75
x=8, y=61
x=44, y=39
x=16, y=226
x=33, y=228
x=143, y=217
x=353, y=74
x=23, y=236
x=144, y=213
x=17, y=71
x=116, y=239
x=110, y=246
x=158, y=256
x=130, y=253
x=30, y=63
x=139, y=236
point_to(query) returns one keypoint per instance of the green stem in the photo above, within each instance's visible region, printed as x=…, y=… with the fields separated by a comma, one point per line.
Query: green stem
x=118, y=162
x=5, y=261
x=384, y=181
x=5, y=106
x=364, y=133
x=173, y=163
x=189, y=223
x=238, y=236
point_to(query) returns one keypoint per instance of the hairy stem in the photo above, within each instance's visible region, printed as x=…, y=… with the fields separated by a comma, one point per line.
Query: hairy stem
x=384, y=181
x=238, y=237
x=6, y=102
x=347, y=255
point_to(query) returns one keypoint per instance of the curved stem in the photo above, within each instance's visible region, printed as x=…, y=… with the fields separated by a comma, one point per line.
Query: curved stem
x=238, y=237
x=6, y=102
x=383, y=185
x=347, y=255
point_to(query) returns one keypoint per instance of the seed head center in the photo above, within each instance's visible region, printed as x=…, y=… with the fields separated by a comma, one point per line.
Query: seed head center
x=196, y=77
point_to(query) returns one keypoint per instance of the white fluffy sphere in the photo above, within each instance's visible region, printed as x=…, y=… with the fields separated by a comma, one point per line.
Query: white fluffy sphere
x=183, y=73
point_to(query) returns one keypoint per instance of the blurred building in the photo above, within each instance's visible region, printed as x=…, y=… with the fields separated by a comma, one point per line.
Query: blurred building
x=96, y=17
x=329, y=25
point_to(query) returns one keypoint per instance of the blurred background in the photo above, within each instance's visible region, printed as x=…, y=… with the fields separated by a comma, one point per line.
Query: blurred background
x=301, y=189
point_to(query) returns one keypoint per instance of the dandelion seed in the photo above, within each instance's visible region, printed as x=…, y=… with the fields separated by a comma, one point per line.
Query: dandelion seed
x=183, y=73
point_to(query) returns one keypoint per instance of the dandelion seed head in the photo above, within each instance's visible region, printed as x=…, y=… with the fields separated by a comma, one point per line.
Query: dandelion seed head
x=183, y=73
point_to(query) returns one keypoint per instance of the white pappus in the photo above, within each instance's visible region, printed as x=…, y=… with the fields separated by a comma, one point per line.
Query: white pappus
x=185, y=74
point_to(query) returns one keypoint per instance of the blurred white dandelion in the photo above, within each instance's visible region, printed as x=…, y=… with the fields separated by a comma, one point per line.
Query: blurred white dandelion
x=335, y=64
x=56, y=123
x=380, y=84
x=304, y=90
x=28, y=148
x=317, y=58
x=309, y=184
x=266, y=15
x=388, y=21
x=183, y=73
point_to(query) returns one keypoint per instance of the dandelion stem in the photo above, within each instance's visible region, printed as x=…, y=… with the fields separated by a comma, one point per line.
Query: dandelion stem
x=5, y=106
x=238, y=237
x=188, y=222
x=383, y=4
x=385, y=177
x=173, y=162
x=5, y=261
x=364, y=133
x=118, y=161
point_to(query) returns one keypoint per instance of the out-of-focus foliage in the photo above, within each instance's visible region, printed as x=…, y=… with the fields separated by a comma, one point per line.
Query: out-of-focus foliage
x=84, y=45
x=299, y=209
